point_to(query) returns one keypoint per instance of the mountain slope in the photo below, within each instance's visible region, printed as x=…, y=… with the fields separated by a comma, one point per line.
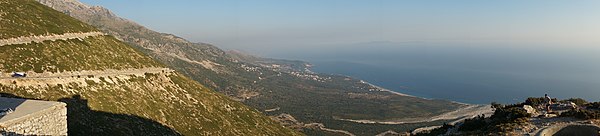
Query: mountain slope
x=16, y=25
x=109, y=87
x=273, y=86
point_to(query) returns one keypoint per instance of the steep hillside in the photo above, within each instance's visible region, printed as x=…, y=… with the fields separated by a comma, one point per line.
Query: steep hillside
x=23, y=24
x=109, y=87
x=275, y=87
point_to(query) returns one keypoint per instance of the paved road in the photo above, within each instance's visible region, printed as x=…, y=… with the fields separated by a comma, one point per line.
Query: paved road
x=84, y=74
x=41, y=38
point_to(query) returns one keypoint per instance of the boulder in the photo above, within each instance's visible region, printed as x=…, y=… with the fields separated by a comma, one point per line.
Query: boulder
x=531, y=110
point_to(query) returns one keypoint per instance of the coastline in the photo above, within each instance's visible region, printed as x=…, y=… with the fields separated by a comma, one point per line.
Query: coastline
x=465, y=111
x=402, y=94
x=388, y=90
x=468, y=111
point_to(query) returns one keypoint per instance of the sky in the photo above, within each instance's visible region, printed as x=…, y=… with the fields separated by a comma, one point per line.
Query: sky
x=264, y=26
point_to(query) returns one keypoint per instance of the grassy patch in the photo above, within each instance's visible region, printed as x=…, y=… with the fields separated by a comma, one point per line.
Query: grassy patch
x=28, y=18
x=104, y=52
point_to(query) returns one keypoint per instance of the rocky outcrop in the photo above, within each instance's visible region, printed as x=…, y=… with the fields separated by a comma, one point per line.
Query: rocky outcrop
x=70, y=6
x=129, y=31
x=531, y=110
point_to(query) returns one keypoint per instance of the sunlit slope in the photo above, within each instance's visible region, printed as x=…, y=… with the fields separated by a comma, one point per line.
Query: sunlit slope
x=91, y=53
x=109, y=87
x=35, y=19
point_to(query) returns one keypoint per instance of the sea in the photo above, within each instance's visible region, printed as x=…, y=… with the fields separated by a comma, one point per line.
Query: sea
x=468, y=73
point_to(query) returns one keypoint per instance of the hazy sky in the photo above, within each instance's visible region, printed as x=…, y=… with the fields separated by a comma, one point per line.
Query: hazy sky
x=262, y=26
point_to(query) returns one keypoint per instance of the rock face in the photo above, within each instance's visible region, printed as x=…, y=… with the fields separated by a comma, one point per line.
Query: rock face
x=31, y=117
x=531, y=110
x=75, y=5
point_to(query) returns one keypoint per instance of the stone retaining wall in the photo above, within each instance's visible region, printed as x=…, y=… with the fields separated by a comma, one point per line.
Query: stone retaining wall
x=49, y=121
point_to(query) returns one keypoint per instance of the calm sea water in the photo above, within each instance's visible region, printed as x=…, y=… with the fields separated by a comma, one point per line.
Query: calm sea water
x=465, y=73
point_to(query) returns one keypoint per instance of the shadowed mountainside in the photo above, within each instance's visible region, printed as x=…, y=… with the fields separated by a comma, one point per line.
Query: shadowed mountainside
x=82, y=120
x=80, y=116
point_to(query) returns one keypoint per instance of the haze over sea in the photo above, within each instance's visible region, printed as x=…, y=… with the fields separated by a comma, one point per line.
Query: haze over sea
x=468, y=73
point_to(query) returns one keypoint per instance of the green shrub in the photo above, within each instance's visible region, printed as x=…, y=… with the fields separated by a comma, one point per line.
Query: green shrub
x=505, y=117
x=537, y=101
x=577, y=101
x=477, y=123
x=509, y=114
x=534, y=101
x=594, y=105
x=582, y=114
x=28, y=17
x=436, y=132
x=592, y=111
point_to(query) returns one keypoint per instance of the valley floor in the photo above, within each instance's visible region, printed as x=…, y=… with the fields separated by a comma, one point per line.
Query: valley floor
x=465, y=112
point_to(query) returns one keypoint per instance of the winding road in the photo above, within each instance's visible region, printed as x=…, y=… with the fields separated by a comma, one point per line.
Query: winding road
x=85, y=73
x=53, y=37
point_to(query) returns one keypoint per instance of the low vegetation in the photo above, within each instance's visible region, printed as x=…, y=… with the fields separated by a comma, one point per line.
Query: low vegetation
x=504, y=119
x=590, y=111
x=35, y=19
x=92, y=53
x=170, y=100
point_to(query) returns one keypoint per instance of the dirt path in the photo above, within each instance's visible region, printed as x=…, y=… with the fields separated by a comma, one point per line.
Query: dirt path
x=41, y=38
